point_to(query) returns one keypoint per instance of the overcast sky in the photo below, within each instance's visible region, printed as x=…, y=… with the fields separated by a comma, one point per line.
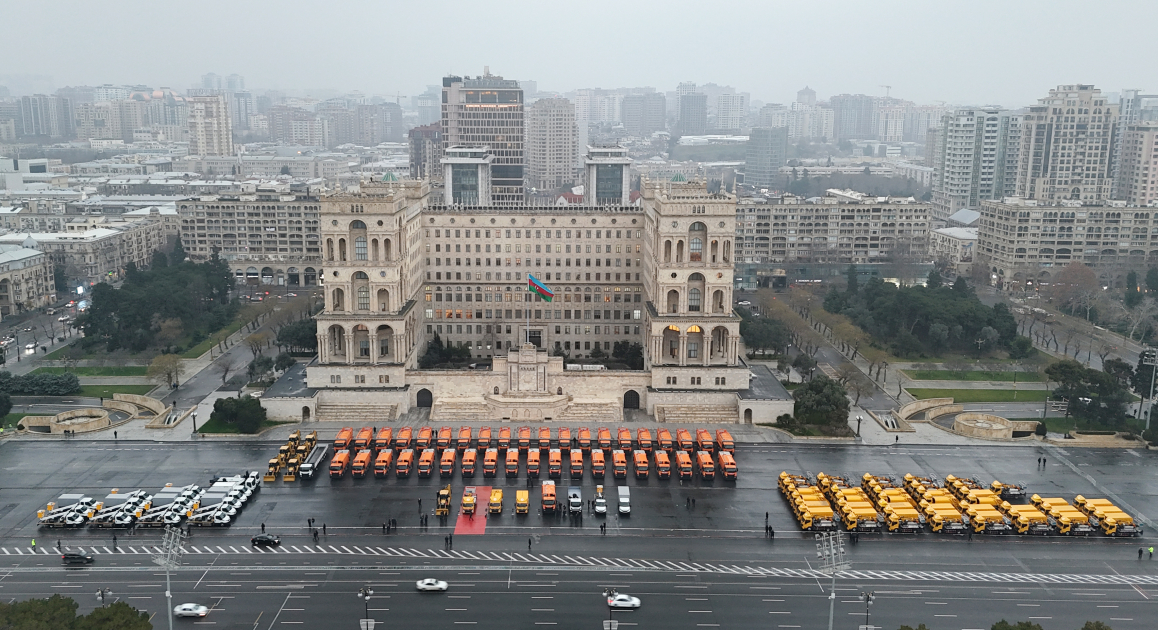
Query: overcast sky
x=974, y=52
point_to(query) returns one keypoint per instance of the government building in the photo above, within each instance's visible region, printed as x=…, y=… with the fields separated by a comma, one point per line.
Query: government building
x=404, y=262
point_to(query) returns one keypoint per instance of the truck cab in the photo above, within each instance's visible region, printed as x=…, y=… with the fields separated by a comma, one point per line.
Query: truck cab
x=512, y=463
x=619, y=464
x=724, y=441
x=426, y=463
x=663, y=440
x=704, y=441
x=603, y=438
x=643, y=440
x=524, y=439
x=363, y=439
x=548, y=496
x=404, y=464
x=445, y=434
x=600, y=501
x=598, y=464
x=554, y=463
x=424, y=438
x=382, y=463
x=684, y=440
x=624, y=439
x=495, y=506
x=533, y=466
x=522, y=502
x=576, y=464
x=484, y=438
x=383, y=439
x=583, y=439
x=362, y=463
x=469, y=457
x=446, y=464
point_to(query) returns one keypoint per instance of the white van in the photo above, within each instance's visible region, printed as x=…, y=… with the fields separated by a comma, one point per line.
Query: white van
x=624, y=500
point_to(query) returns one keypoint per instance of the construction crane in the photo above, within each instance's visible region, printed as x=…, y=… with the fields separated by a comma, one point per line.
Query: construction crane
x=887, y=88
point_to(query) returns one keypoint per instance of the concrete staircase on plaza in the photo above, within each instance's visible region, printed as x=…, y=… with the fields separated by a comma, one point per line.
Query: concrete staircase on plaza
x=592, y=411
x=702, y=414
x=460, y=410
x=355, y=413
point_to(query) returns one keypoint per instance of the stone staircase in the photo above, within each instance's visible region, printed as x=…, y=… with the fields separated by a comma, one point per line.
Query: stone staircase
x=592, y=411
x=460, y=410
x=699, y=414
x=355, y=413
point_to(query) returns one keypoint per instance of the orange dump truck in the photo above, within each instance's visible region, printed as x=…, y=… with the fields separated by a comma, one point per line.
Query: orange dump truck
x=484, y=438
x=382, y=463
x=364, y=438
x=446, y=464
x=339, y=464
x=403, y=438
x=598, y=465
x=544, y=438
x=424, y=438
x=404, y=464
x=469, y=459
x=603, y=438
x=619, y=464
x=363, y=462
x=663, y=438
x=445, y=435
x=524, y=438
x=533, y=467
x=662, y=465
x=383, y=440
x=426, y=463
x=490, y=462
x=548, y=501
x=684, y=464
x=684, y=440
x=345, y=436
x=504, y=438
x=705, y=465
x=704, y=441
x=583, y=439
x=464, y=438
x=576, y=464
x=512, y=463
x=639, y=462
x=564, y=439
x=554, y=463
x=624, y=439
x=643, y=440
x=724, y=441
x=727, y=465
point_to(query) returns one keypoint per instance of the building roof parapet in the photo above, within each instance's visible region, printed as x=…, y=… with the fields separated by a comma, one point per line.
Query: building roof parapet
x=534, y=209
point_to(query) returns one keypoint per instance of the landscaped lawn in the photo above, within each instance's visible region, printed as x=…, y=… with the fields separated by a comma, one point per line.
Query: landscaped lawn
x=981, y=395
x=975, y=375
x=204, y=346
x=217, y=426
x=107, y=391
x=116, y=370
x=9, y=421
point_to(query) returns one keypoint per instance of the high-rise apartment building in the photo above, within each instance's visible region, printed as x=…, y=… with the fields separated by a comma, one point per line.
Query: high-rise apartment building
x=919, y=119
x=1138, y=164
x=643, y=114
x=45, y=115
x=731, y=111
x=685, y=88
x=294, y=125
x=488, y=111
x=550, y=144
x=693, y=120
x=807, y=96
x=1133, y=107
x=976, y=158
x=1067, y=145
x=767, y=151
x=426, y=152
x=852, y=116
x=772, y=115
x=809, y=121
x=242, y=106
x=210, y=128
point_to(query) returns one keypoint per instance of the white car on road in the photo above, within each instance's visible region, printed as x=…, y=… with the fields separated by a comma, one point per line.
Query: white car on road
x=431, y=584
x=622, y=600
x=190, y=610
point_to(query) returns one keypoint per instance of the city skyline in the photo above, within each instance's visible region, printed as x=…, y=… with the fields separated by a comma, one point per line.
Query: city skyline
x=981, y=71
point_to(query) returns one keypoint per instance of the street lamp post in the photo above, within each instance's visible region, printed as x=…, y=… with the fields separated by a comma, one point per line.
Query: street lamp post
x=194, y=422
x=867, y=598
x=858, y=421
x=365, y=593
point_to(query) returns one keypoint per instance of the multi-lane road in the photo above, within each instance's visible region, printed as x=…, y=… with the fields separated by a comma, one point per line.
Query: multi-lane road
x=707, y=566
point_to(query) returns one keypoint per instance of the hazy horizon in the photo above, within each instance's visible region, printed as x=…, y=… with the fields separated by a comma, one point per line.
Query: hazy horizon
x=1014, y=54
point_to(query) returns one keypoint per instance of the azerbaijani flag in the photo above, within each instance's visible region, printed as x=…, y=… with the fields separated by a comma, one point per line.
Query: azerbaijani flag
x=534, y=286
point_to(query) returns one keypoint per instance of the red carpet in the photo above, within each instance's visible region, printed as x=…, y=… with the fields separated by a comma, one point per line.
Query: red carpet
x=476, y=526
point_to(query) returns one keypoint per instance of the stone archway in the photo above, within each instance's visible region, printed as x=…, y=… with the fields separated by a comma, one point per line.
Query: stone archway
x=425, y=398
x=747, y=416
x=305, y=414
x=631, y=399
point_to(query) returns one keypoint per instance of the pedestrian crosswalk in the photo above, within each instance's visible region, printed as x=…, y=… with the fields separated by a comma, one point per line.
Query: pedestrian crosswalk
x=508, y=559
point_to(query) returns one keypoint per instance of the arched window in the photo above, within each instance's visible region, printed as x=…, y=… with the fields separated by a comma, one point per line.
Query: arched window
x=357, y=225
x=693, y=299
x=342, y=249
x=363, y=298
x=696, y=249
x=339, y=298
x=360, y=248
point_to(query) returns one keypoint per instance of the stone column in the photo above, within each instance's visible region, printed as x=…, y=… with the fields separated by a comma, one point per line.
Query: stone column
x=349, y=348
x=373, y=346
x=706, y=347
x=733, y=348
x=324, y=347
x=396, y=351
x=683, y=351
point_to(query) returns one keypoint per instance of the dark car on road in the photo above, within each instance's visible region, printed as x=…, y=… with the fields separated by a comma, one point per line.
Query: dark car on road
x=265, y=540
x=72, y=557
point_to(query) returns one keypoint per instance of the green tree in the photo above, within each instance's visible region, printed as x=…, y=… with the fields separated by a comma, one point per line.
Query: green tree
x=821, y=401
x=1021, y=348
x=5, y=405
x=246, y=413
x=597, y=352
x=919, y=627
x=166, y=368
x=1133, y=295
x=960, y=285
x=1093, y=395
x=852, y=280
x=160, y=260
x=1152, y=279
x=764, y=334
x=934, y=280
x=60, y=281
x=1096, y=625
x=299, y=336
x=259, y=368
x=1020, y=625
x=53, y=613
x=285, y=170
x=118, y=616
x=804, y=364
x=177, y=256
x=283, y=362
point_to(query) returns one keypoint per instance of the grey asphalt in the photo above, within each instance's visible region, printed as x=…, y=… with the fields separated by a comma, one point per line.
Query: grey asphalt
x=705, y=549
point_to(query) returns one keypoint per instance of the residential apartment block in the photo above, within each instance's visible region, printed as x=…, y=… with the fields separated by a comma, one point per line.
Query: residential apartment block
x=550, y=144
x=977, y=157
x=1138, y=164
x=1067, y=145
x=26, y=279
x=210, y=127
x=89, y=255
